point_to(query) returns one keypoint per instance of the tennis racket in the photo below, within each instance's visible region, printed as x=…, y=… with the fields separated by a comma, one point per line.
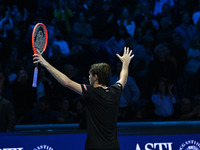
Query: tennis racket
x=39, y=42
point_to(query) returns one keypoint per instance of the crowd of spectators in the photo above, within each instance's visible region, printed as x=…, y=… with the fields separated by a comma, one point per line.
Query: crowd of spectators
x=164, y=76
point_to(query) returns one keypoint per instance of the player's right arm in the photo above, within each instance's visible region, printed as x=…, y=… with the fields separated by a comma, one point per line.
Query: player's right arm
x=125, y=59
x=59, y=76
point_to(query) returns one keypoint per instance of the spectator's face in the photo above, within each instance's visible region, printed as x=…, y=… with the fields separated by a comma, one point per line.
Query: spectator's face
x=186, y=105
x=81, y=17
x=166, y=9
x=69, y=70
x=145, y=7
x=125, y=12
x=162, y=86
x=186, y=18
x=161, y=54
x=177, y=40
x=106, y=7
x=22, y=75
x=44, y=107
x=164, y=23
x=121, y=32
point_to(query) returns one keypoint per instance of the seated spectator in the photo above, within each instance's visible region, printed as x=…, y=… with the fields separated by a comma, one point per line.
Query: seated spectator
x=179, y=55
x=57, y=58
x=185, y=108
x=44, y=86
x=43, y=114
x=7, y=115
x=130, y=97
x=6, y=24
x=186, y=29
x=61, y=42
x=158, y=5
x=161, y=66
x=126, y=20
x=196, y=14
x=165, y=31
x=63, y=13
x=164, y=100
x=195, y=113
x=82, y=29
x=79, y=111
x=167, y=11
x=115, y=44
x=72, y=73
x=104, y=24
x=23, y=93
x=192, y=68
x=145, y=15
x=64, y=108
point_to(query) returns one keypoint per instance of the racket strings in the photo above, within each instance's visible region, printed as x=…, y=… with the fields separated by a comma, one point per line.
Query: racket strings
x=39, y=38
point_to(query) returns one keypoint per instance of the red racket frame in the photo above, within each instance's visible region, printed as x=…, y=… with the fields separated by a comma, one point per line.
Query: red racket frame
x=33, y=33
x=35, y=52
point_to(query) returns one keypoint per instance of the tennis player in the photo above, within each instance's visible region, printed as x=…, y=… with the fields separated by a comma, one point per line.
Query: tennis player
x=102, y=101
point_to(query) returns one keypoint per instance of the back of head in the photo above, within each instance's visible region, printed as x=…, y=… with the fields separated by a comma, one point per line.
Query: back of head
x=103, y=71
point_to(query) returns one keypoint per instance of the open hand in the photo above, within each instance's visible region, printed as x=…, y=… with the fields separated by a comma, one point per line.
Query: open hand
x=126, y=58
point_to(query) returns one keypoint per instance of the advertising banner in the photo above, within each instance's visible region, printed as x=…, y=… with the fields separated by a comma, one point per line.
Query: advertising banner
x=76, y=141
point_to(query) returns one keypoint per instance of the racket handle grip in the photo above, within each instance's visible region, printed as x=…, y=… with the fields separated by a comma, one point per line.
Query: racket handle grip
x=35, y=76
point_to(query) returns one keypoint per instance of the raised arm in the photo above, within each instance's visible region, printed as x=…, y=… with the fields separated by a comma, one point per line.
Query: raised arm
x=59, y=76
x=125, y=59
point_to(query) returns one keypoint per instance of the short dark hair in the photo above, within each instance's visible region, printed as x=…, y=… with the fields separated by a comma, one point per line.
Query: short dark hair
x=103, y=71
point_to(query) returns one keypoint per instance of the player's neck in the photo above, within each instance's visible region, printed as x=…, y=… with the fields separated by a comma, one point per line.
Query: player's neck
x=100, y=85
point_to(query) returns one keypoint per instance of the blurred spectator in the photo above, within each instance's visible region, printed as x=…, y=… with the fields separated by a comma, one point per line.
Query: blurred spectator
x=164, y=100
x=165, y=31
x=78, y=109
x=130, y=96
x=158, y=5
x=95, y=49
x=145, y=14
x=82, y=29
x=63, y=13
x=68, y=115
x=161, y=66
x=186, y=107
x=7, y=115
x=45, y=85
x=105, y=21
x=182, y=6
x=139, y=68
x=179, y=56
x=116, y=43
x=195, y=113
x=167, y=11
x=186, y=29
x=43, y=114
x=196, y=14
x=72, y=73
x=126, y=19
x=192, y=68
x=61, y=42
x=57, y=58
x=23, y=94
x=6, y=23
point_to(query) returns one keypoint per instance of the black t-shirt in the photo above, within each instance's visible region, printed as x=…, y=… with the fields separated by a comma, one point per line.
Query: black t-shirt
x=102, y=111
